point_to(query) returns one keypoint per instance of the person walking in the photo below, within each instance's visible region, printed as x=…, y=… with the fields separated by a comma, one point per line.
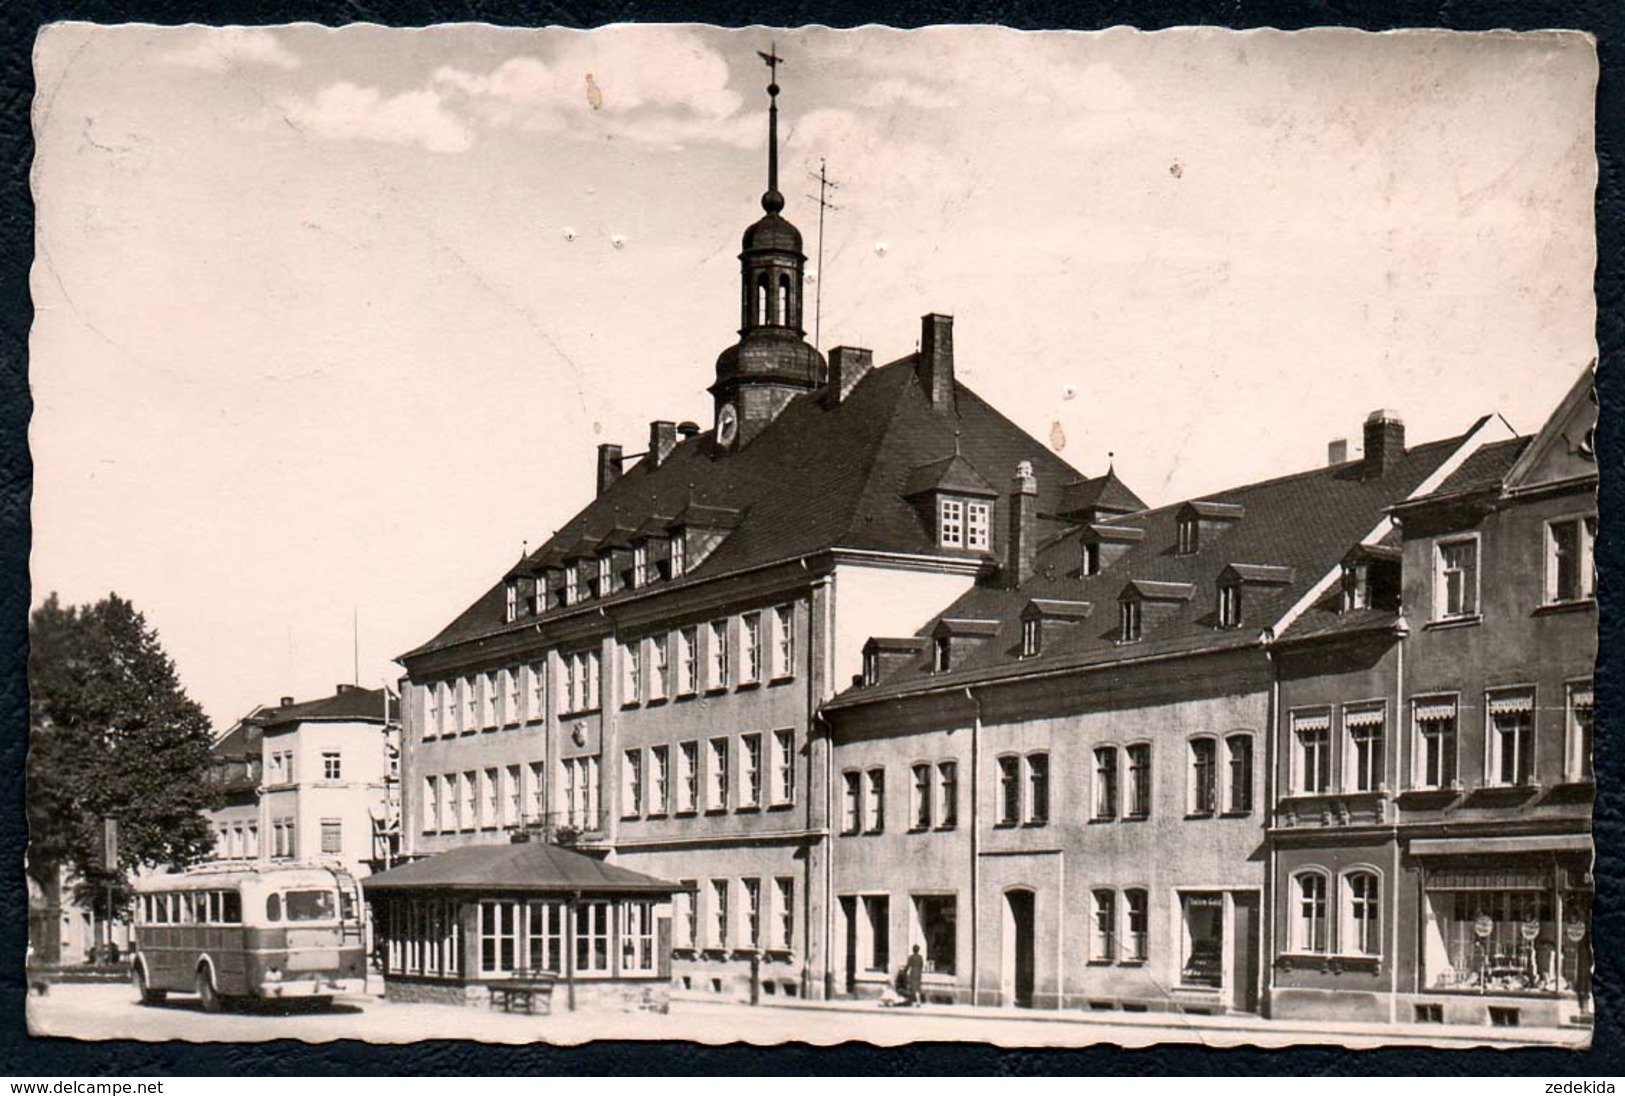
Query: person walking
x=913, y=975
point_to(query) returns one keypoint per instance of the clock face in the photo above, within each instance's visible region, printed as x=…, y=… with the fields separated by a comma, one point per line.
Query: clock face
x=727, y=424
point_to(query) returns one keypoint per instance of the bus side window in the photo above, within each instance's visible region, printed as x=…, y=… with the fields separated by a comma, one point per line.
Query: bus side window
x=214, y=908
x=160, y=909
x=231, y=908
x=273, y=907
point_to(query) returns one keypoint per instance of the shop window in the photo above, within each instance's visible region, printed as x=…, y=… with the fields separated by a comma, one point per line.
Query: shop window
x=936, y=928
x=1202, y=963
x=1494, y=930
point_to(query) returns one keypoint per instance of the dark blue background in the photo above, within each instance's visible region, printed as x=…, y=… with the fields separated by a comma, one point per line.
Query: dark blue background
x=59, y=1058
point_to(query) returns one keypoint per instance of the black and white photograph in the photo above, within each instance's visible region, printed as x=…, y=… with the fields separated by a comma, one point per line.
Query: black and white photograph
x=768, y=535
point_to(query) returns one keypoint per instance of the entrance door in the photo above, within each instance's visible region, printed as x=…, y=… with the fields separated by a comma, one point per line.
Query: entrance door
x=1244, y=952
x=1018, y=948
x=849, y=916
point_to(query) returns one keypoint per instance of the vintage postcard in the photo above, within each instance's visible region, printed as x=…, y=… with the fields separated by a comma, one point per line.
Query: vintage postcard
x=668, y=532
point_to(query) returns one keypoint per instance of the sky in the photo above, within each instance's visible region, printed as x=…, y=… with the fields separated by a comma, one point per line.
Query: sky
x=329, y=322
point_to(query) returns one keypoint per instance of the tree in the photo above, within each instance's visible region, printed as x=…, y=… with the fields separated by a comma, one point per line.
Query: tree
x=111, y=733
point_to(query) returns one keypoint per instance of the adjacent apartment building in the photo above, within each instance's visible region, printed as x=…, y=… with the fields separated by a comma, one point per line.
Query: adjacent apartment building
x=1430, y=836
x=645, y=684
x=1058, y=788
x=316, y=779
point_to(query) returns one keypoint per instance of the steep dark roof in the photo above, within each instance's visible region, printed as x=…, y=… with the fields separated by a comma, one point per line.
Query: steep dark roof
x=348, y=705
x=1484, y=470
x=1301, y=524
x=822, y=475
x=1104, y=493
x=533, y=866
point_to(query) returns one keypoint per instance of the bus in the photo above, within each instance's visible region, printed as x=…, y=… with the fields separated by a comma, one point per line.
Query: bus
x=249, y=931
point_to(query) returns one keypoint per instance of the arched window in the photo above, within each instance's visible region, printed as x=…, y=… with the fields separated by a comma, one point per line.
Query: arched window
x=1203, y=793
x=1309, y=912
x=1362, y=913
x=1239, y=774
x=784, y=300
x=761, y=298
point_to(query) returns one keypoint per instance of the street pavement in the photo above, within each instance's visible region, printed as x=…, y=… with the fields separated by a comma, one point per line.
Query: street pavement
x=112, y=1012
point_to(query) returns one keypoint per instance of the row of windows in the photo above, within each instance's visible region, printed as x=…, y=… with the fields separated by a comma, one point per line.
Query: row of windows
x=425, y=937
x=730, y=913
x=653, y=668
x=1510, y=754
x=694, y=658
x=1119, y=926
x=650, y=560
x=1357, y=898
x=494, y=798
x=1569, y=572
x=758, y=772
x=280, y=766
x=487, y=701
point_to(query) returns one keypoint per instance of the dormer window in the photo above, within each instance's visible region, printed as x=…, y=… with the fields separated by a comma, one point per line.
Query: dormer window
x=677, y=554
x=951, y=523
x=871, y=667
x=511, y=609
x=1230, y=605
x=572, y=584
x=1190, y=536
x=939, y=655
x=1091, y=558
x=640, y=564
x=604, y=585
x=1029, y=638
x=1128, y=630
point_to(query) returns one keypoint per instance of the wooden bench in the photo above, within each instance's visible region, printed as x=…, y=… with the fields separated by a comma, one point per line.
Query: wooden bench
x=523, y=989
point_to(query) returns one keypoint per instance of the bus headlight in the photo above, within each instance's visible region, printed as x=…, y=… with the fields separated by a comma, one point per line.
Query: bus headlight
x=273, y=975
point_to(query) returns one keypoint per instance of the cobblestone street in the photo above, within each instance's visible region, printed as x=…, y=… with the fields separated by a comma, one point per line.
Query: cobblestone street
x=111, y=1012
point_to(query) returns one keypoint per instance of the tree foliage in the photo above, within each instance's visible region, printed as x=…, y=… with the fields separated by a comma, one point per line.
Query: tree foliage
x=111, y=732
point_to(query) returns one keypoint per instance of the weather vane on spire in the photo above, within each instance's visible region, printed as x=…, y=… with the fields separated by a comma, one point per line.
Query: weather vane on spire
x=772, y=201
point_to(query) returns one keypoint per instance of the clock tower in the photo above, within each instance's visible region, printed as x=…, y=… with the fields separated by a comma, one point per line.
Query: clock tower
x=772, y=362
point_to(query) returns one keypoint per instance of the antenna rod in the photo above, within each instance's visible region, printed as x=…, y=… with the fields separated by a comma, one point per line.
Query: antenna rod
x=355, y=638
x=824, y=205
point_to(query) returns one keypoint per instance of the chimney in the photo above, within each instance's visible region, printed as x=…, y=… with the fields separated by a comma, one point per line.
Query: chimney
x=847, y=366
x=1023, y=546
x=662, y=440
x=609, y=465
x=287, y=702
x=935, y=361
x=1384, y=440
x=686, y=430
x=1337, y=451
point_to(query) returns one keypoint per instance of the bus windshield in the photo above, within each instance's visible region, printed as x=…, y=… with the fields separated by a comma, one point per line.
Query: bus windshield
x=310, y=905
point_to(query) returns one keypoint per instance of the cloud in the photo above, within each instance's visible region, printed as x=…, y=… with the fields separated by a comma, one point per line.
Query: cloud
x=655, y=85
x=233, y=47
x=345, y=111
x=896, y=92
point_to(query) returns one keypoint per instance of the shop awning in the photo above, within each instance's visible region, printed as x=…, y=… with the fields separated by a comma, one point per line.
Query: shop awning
x=528, y=867
x=1365, y=717
x=1311, y=721
x=1512, y=704
x=1501, y=846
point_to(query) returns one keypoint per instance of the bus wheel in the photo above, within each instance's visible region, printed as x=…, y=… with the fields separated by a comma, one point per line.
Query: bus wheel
x=206, y=995
x=149, y=996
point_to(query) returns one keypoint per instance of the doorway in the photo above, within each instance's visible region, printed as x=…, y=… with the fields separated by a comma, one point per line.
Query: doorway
x=849, y=919
x=1018, y=948
x=1245, y=948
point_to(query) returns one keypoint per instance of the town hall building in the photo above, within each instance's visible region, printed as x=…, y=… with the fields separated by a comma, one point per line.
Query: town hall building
x=645, y=685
